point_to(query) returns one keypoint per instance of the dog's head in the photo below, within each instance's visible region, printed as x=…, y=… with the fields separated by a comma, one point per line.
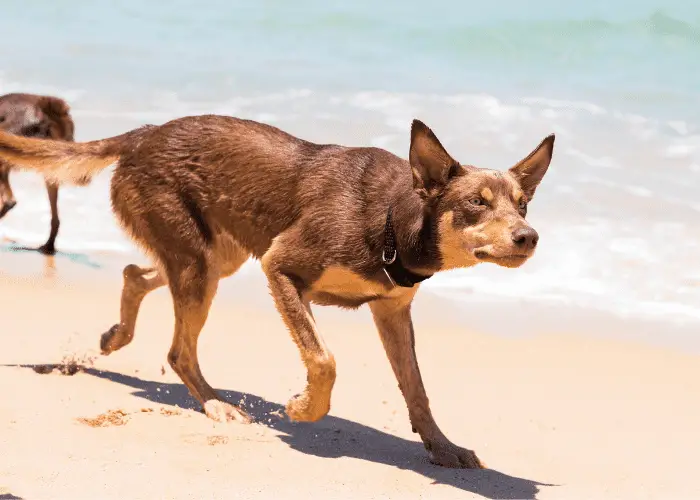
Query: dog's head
x=20, y=118
x=36, y=116
x=480, y=213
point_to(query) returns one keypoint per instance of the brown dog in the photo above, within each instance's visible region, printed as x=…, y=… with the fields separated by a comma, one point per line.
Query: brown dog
x=331, y=225
x=41, y=116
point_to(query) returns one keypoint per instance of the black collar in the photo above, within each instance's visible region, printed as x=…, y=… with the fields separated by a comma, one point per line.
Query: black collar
x=393, y=268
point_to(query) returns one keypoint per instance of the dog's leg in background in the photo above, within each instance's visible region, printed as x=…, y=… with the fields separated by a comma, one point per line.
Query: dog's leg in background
x=49, y=248
x=315, y=402
x=7, y=198
x=137, y=284
x=393, y=320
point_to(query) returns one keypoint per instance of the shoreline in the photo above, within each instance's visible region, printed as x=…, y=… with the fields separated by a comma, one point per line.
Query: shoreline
x=523, y=317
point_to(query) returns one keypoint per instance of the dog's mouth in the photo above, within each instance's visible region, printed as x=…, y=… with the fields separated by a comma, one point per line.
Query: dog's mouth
x=510, y=260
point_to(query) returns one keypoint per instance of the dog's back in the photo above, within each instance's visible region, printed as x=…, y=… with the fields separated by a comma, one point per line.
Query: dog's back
x=253, y=181
x=196, y=178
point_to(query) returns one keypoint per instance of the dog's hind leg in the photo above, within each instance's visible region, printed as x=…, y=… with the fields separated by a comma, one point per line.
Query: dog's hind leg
x=193, y=282
x=138, y=282
x=171, y=225
x=49, y=248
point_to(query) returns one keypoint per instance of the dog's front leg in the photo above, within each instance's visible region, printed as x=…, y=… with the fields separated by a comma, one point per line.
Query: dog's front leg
x=49, y=248
x=393, y=320
x=315, y=402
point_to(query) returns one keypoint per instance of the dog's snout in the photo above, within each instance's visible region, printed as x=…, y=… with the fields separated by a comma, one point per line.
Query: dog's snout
x=525, y=238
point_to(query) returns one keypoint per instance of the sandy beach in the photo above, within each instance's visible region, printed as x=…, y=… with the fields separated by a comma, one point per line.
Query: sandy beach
x=553, y=416
x=575, y=376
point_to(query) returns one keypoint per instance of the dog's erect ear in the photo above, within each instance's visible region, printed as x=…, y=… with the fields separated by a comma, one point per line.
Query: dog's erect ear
x=431, y=165
x=529, y=171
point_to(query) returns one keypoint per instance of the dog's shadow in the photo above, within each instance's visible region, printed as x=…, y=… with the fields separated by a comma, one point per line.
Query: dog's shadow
x=335, y=437
x=74, y=257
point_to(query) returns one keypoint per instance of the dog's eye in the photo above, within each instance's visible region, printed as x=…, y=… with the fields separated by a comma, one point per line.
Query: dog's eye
x=476, y=201
x=522, y=205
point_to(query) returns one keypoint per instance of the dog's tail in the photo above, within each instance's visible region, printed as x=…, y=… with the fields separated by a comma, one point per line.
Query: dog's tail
x=67, y=162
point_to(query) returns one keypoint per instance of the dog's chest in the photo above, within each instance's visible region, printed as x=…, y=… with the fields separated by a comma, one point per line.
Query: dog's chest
x=341, y=286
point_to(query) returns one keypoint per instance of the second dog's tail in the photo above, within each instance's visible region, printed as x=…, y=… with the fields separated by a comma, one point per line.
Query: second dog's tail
x=67, y=162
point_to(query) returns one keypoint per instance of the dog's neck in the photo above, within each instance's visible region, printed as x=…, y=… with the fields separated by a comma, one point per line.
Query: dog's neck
x=416, y=232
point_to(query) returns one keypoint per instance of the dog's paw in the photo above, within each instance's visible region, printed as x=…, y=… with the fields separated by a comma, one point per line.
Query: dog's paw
x=47, y=249
x=108, y=341
x=449, y=455
x=221, y=411
x=303, y=408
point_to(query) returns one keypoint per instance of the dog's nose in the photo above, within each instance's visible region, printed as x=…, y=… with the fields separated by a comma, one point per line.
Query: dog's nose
x=525, y=238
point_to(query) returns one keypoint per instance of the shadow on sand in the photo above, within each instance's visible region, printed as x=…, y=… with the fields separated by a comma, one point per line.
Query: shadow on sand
x=334, y=437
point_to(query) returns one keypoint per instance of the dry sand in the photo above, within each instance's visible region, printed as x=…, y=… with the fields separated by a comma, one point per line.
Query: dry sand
x=568, y=416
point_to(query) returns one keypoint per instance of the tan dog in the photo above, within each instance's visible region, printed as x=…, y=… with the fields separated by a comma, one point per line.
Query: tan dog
x=42, y=116
x=331, y=225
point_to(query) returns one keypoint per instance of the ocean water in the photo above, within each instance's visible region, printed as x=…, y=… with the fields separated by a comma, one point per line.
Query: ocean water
x=618, y=213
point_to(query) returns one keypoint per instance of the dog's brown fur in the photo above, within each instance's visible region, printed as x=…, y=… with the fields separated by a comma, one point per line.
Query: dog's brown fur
x=42, y=116
x=202, y=194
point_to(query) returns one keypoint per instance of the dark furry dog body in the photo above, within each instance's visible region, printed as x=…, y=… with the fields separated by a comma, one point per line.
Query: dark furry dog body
x=39, y=116
x=331, y=225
